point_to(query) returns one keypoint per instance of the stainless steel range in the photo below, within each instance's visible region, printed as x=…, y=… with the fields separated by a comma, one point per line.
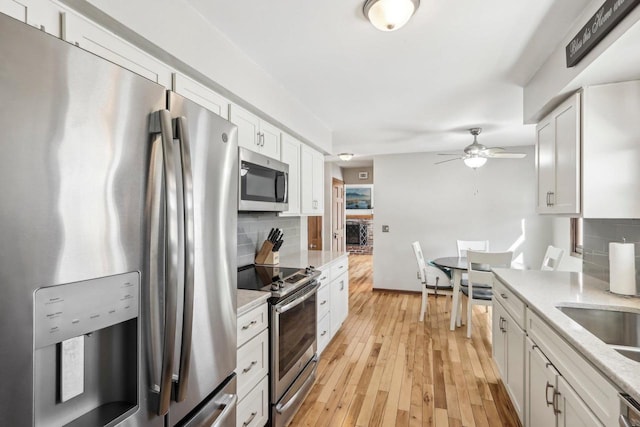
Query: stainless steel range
x=292, y=332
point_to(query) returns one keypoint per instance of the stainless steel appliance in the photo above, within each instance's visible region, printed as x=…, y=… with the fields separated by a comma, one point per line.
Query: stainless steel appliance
x=264, y=183
x=292, y=332
x=629, y=411
x=119, y=222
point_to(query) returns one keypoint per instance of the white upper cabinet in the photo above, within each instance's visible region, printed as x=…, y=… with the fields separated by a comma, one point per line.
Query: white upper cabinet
x=43, y=15
x=201, y=95
x=311, y=181
x=255, y=134
x=611, y=150
x=290, y=154
x=98, y=40
x=558, y=159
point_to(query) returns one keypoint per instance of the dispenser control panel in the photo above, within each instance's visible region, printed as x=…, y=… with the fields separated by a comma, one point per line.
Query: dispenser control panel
x=66, y=311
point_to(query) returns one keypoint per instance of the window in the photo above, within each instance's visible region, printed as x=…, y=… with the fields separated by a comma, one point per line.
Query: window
x=576, y=237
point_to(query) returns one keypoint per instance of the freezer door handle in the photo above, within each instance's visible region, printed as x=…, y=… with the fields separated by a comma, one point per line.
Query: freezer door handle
x=182, y=135
x=161, y=124
x=216, y=413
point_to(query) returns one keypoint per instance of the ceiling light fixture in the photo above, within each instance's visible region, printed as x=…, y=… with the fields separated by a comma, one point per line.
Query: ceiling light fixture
x=390, y=15
x=475, y=161
x=345, y=156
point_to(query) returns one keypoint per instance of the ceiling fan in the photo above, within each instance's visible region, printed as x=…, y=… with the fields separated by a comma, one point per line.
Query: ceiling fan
x=476, y=154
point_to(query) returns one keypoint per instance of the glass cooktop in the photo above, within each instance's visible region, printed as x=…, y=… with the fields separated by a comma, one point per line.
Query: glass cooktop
x=260, y=277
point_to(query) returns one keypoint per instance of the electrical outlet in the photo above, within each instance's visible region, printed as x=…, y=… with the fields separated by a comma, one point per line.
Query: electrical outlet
x=385, y=228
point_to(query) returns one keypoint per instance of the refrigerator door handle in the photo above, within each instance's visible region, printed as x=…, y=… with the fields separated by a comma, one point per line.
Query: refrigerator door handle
x=161, y=124
x=182, y=135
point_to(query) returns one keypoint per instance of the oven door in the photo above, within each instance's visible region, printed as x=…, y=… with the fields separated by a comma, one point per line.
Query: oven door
x=293, y=337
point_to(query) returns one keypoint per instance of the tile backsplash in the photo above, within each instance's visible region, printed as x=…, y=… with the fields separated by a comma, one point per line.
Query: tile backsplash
x=254, y=227
x=597, y=233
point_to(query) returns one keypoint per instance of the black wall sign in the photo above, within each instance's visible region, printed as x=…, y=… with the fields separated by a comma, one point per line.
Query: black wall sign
x=607, y=17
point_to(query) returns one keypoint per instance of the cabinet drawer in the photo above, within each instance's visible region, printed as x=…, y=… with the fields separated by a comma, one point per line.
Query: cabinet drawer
x=325, y=276
x=339, y=267
x=253, y=362
x=511, y=303
x=324, y=332
x=324, y=300
x=251, y=323
x=599, y=395
x=252, y=411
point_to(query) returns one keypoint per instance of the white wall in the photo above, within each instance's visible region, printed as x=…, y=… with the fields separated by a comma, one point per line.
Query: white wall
x=175, y=27
x=437, y=204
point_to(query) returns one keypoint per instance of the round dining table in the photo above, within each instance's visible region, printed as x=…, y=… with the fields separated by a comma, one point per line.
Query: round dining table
x=457, y=265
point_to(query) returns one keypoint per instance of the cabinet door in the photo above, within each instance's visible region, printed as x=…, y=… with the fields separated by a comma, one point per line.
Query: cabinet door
x=573, y=411
x=515, y=357
x=201, y=95
x=339, y=302
x=290, y=154
x=39, y=14
x=248, y=127
x=566, y=199
x=306, y=180
x=95, y=39
x=541, y=382
x=498, y=340
x=545, y=164
x=270, y=143
x=318, y=183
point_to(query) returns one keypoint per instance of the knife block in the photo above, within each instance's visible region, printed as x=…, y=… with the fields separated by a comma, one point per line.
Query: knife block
x=266, y=256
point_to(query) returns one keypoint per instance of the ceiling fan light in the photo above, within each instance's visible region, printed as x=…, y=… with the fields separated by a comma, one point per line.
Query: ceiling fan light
x=345, y=156
x=475, y=162
x=390, y=15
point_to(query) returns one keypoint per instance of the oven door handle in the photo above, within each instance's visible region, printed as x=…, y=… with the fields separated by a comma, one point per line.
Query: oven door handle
x=286, y=307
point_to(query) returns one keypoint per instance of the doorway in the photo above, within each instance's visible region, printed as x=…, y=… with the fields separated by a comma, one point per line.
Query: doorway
x=314, y=234
x=337, y=215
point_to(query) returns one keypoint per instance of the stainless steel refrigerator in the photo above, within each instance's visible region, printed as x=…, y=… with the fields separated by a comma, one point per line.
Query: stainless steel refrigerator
x=118, y=256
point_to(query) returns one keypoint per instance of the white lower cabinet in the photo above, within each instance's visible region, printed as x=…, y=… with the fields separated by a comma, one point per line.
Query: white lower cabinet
x=252, y=411
x=332, y=301
x=253, y=368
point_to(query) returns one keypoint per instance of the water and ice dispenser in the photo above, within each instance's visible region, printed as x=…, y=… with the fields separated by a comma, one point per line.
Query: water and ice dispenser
x=86, y=352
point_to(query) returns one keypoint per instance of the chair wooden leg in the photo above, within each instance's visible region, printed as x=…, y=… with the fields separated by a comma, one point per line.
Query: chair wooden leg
x=423, y=308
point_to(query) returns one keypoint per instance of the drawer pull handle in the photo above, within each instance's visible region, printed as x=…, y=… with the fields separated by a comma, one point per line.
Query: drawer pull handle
x=546, y=394
x=323, y=333
x=245, y=327
x=341, y=267
x=253, y=415
x=324, y=301
x=323, y=278
x=504, y=296
x=248, y=368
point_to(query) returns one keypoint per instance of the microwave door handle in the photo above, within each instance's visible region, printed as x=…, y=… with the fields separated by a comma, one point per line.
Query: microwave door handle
x=189, y=234
x=285, y=198
x=161, y=124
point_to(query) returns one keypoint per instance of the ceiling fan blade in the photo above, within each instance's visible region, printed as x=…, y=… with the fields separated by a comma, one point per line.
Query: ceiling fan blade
x=492, y=150
x=448, y=154
x=506, y=155
x=448, y=160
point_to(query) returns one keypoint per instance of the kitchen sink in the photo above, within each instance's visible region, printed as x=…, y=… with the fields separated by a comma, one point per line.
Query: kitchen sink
x=620, y=329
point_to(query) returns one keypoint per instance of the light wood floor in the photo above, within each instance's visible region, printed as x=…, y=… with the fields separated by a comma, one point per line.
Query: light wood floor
x=386, y=368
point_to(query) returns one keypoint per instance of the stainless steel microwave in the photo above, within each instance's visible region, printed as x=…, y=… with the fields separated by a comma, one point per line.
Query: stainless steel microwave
x=264, y=183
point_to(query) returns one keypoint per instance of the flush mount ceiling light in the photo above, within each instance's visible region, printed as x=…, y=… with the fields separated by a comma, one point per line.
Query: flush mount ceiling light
x=345, y=156
x=390, y=15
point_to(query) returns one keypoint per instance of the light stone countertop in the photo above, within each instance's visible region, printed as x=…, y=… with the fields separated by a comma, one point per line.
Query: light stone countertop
x=248, y=299
x=306, y=258
x=542, y=291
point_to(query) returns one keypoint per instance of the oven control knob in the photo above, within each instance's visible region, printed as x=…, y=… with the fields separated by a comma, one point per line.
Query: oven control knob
x=280, y=283
x=309, y=269
x=274, y=287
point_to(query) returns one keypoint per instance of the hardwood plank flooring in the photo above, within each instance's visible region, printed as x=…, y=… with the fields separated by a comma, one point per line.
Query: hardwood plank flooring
x=385, y=368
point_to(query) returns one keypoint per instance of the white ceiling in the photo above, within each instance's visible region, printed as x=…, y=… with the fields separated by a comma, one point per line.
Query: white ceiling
x=455, y=65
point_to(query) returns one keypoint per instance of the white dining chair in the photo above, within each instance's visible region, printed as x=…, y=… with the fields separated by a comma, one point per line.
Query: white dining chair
x=480, y=289
x=552, y=258
x=432, y=280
